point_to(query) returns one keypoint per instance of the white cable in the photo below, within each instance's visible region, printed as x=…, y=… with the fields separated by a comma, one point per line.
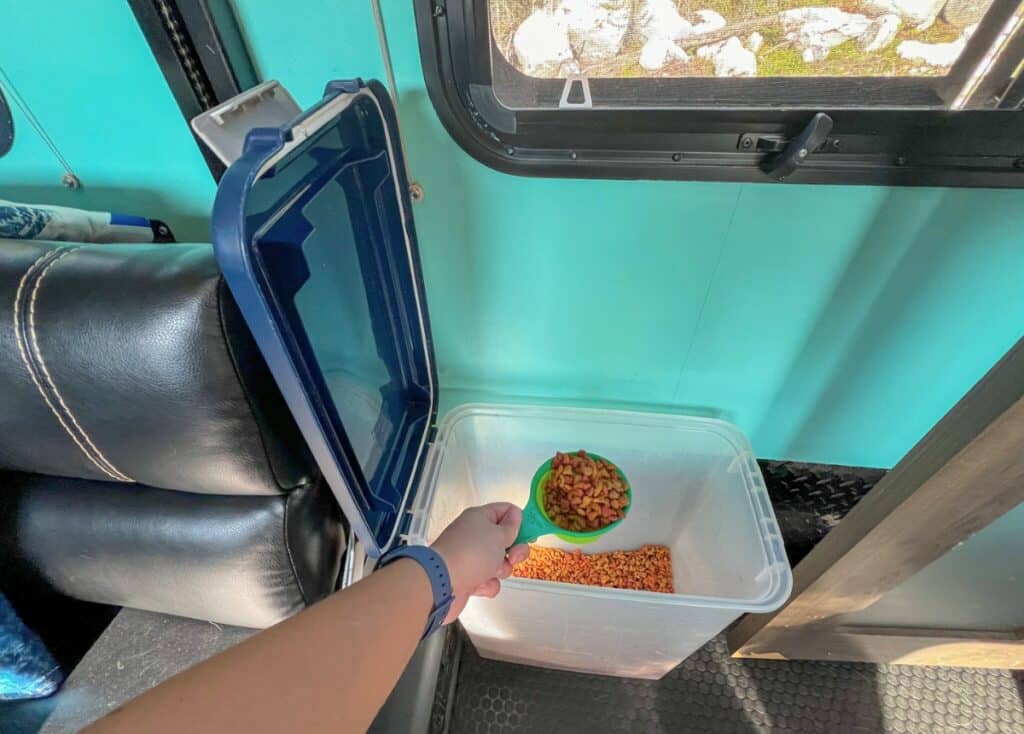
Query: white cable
x=22, y=105
x=385, y=52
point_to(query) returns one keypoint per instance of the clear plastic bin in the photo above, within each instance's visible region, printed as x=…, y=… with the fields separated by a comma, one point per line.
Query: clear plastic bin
x=696, y=489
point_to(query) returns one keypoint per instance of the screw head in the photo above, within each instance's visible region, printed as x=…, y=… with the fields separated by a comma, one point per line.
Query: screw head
x=677, y=157
x=438, y=11
x=802, y=152
x=416, y=192
x=1019, y=163
x=835, y=143
x=71, y=181
x=510, y=150
x=746, y=143
x=901, y=160
x=572, y=154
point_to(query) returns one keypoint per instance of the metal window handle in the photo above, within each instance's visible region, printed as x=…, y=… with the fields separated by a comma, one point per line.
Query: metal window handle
x=797, y=150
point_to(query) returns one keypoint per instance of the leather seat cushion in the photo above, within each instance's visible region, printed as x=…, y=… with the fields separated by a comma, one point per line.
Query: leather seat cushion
x=242, y=560
x=131, y=363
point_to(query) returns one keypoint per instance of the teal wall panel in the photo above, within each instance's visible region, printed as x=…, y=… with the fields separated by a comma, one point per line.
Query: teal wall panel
x=778, y=266
x=86, y=72
x=950, y=307
x=288, y=41
x=831, y=323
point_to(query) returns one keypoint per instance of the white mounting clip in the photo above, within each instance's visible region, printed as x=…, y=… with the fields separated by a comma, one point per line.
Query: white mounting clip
x=570, y=82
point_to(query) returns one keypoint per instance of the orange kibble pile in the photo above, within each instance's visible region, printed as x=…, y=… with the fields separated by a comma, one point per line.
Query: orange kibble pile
x=584, y=494
x=649, y=568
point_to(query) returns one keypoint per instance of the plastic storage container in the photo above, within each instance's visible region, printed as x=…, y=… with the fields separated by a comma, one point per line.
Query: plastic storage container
x=313, y=231
x=696, y=489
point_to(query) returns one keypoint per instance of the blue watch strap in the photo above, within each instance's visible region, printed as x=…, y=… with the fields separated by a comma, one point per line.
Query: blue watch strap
x=437, y=572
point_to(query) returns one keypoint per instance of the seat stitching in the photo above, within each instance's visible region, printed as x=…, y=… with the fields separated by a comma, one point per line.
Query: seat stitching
x=18, y=338
x=98, y=459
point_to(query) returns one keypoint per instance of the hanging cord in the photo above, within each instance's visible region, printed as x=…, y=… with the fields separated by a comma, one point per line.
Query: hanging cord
x=69, y=179
x=415, y=189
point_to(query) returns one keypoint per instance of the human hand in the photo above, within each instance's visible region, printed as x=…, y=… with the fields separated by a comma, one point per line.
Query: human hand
x=473, y=548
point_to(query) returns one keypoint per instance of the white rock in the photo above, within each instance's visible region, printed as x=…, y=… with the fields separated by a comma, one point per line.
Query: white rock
x=933, y=54
x=660, y=19
x=710, y=21
x=755, y=41
x=542, y=45
x=813, y=54
x=596, y=27
x=816, y=31
x=936, y=54
x=880, y=33
x=730, y=58
x=824, y=20
x=659, y=51
x=921, y=13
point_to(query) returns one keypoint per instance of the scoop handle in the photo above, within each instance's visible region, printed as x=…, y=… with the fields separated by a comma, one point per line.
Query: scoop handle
x=533, y=525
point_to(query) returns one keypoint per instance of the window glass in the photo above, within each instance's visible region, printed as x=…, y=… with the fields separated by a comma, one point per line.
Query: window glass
x=553, y=39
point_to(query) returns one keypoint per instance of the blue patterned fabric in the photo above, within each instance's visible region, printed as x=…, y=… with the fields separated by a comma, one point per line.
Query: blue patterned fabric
x=63, y=224
x=19, y=222
x=27, y=670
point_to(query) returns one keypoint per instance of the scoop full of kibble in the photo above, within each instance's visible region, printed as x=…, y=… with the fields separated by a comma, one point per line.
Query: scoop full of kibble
x=583, y=494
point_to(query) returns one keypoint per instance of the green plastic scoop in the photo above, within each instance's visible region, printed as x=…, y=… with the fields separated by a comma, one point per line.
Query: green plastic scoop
x=535, y=519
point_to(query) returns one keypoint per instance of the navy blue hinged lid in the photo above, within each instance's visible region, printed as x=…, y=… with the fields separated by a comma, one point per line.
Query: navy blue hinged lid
x=313, y=230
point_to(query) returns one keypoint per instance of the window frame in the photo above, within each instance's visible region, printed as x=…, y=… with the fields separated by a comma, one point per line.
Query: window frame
x=888, y=146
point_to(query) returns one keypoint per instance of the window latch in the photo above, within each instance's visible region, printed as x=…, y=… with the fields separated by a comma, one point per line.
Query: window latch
x=796, y=151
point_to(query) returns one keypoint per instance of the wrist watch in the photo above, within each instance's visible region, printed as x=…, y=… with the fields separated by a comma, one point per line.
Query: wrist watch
x=437, y=572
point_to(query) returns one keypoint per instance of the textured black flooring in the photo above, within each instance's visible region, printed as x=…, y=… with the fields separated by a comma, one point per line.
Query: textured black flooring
x=710, y=692
x=810, y=499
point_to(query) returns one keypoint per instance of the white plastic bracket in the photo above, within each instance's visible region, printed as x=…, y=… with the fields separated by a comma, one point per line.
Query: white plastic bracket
x=570, y=81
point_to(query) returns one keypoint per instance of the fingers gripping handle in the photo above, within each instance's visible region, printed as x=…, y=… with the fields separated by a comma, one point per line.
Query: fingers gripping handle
x=532, y=527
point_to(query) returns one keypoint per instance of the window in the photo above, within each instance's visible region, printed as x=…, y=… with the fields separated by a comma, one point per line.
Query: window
x=899, y=91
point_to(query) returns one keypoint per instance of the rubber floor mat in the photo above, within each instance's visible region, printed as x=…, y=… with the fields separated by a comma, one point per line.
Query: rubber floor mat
x=810, y=499
x=713, y=693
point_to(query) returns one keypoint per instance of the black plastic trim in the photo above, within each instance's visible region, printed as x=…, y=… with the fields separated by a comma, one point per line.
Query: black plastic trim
x=988, y=30
x=219, y=45
x=201, y=52
x=900, y=147
x=501, y=118
x=6, y=126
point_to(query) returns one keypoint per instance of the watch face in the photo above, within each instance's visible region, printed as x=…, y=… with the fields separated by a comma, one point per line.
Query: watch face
x=6, y=126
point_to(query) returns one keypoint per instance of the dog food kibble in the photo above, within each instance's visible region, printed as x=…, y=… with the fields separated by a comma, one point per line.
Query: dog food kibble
x=649, y=568
x=584, y=494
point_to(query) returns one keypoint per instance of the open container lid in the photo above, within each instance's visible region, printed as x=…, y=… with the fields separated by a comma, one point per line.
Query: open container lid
x=312, y=228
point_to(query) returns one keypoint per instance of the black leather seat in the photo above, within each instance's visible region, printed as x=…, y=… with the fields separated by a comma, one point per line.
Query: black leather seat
x=149, y=459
